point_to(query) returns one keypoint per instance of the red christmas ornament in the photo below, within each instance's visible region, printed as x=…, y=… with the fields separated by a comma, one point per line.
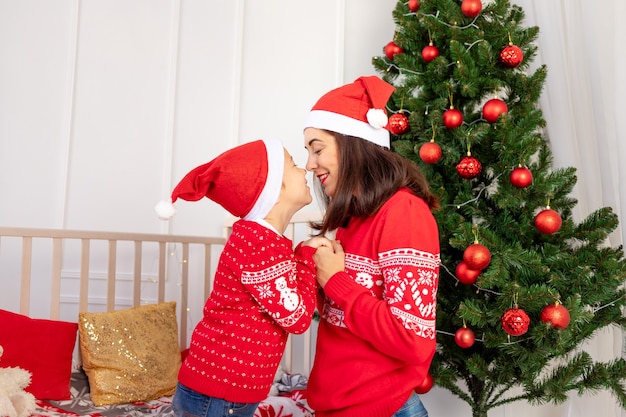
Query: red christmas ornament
x=452, y=118
x=391, y=50
x=471, y=8
x=465, y=274
x=521, y=177
x=414, y=5
x=426, y=384
x=477, y=256
x=556, y=315
x=511, y=56
x=430, y=152
x=464, y=337
x=469, y=167
x=430, y=52
x=548, y=221
x=398, y=123
x=515, y=321
x=493, y=109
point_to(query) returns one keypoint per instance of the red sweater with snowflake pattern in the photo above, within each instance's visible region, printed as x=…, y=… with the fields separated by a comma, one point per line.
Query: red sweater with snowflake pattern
x=263, y=290
x=376, y=336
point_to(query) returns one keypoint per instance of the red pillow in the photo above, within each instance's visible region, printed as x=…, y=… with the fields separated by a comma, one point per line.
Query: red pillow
x=43, y=347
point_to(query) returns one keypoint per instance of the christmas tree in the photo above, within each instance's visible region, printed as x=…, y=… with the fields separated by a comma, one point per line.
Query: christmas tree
x=522, y=285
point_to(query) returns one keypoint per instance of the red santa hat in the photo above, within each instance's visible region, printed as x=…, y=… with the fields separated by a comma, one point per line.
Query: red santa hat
x=356, y=109
x=240, y=180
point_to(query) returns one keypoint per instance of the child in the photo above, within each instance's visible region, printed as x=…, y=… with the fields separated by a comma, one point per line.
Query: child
x=263, y=289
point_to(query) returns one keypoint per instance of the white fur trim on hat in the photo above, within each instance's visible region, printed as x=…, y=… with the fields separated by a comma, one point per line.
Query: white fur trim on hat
x=345, y=125
x=165, y=209
x=273, y=183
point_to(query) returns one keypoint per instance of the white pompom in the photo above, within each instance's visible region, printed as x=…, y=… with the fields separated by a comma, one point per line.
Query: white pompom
x=377, y=118
x=165, y=209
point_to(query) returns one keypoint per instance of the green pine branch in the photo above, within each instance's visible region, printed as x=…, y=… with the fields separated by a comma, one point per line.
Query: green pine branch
x=528, y=268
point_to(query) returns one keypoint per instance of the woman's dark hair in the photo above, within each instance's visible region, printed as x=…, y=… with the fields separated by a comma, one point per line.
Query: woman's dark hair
x=368, y=176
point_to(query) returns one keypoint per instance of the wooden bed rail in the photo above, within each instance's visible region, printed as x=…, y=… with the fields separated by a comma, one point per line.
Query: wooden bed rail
x=61, y=236
x=106, y=260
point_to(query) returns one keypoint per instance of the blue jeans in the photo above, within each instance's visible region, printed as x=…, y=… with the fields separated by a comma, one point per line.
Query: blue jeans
x=412, y=408
x=189, y=403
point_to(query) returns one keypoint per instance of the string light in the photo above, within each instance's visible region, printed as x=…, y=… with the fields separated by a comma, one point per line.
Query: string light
x=469, y=25
x=477, y=196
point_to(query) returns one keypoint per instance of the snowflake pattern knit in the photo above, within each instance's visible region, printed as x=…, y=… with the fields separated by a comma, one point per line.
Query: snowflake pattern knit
x=263, y=290
x=376, y=336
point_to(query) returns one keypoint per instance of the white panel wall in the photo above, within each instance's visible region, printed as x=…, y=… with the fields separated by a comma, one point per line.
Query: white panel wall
x=36, y=46
x=106, y=104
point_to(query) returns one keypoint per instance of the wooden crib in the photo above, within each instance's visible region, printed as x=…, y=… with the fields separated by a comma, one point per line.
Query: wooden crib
x=54, y=274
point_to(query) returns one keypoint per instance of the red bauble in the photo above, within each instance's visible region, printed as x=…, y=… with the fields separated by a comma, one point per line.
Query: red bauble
x=521, y=177
x=391, y=50
x=398, y=123
x=464, y=337
x=430, y=152
x=430, y=52
x=493, y=109
x=511, y=56
x=477, y=256
x=556, y=315
x=471, y=8
x=414, y=5
x=452, y=118
x=426, y=384
x=466, y=275
x=515, y=321
x=548, y=221
x=469, y=167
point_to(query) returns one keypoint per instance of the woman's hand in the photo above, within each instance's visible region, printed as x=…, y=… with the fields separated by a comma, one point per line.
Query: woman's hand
x=318, y=241
x=328, y=261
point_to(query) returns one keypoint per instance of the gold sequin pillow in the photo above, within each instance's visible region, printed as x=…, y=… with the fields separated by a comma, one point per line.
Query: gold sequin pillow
x=130, y=355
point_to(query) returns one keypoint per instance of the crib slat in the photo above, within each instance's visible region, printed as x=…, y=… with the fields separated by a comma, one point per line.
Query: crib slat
x=137, y=273
x=162, y=264
x=27, y=255
x=83, y=302
x=184, y=288
x=287, y=360
x=306, y=351
x=111, y=275
x=55, y=292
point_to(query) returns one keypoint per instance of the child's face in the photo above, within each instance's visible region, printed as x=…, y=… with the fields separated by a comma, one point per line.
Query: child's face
x=295, y=188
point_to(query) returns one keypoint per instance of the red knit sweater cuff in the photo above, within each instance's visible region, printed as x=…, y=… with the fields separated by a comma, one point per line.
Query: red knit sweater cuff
x=305, y=253
x=341, y=288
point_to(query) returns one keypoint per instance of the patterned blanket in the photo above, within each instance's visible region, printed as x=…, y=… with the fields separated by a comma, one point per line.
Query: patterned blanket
x=287, y=399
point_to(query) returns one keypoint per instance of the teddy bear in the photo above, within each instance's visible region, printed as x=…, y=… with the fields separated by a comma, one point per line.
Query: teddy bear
x=14, y=401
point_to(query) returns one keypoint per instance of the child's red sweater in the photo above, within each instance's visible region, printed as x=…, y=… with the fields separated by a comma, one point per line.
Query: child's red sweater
x=376, y=337
x=262, y=292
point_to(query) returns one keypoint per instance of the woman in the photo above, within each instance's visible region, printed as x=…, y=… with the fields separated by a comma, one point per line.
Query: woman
x=376, y=336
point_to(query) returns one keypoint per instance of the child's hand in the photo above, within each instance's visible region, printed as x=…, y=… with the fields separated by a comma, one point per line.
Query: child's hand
x=329, y=261
x=318, y=241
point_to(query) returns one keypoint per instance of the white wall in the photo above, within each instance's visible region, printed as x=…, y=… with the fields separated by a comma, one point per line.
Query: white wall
x=106, y=104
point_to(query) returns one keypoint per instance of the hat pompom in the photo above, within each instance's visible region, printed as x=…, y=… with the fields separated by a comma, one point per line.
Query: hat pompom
x=377, y=118
x=165, y=209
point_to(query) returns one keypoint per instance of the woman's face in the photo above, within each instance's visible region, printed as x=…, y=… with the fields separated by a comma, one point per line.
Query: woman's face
x=323, y=160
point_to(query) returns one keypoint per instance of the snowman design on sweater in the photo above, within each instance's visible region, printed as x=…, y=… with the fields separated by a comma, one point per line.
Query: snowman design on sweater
x=289, y=298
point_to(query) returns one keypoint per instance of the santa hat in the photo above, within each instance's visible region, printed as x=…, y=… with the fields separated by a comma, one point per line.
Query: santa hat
x=240, y=180
x=356, y=109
